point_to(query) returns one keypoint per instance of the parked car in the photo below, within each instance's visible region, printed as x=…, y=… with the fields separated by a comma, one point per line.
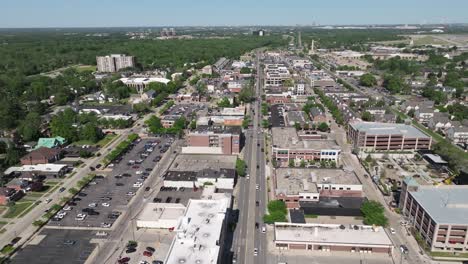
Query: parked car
x=130, y=250
x=147, y=253
x=62, y=189
x=124, y=260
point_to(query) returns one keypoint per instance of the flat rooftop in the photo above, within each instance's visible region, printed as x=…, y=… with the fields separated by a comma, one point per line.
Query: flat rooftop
x=297, y=117
x=198, y=162
x=287, y=138
x=161, y=211
x=202, y=129
x=445, y=204
x=376, y=128
x=198, y=233
x=331, y=234
x=296, y=180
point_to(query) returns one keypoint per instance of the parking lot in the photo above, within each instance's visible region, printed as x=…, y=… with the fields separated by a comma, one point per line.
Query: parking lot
x=62, y=246
x=185, y=109
x=160, y=240
x=106, y=196
x=277, y=117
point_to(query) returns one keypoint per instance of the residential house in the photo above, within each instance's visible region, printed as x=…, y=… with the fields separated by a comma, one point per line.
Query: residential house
x=440, y=121
x=415, y=104
x=53, y=142
x=41, y=155
x=148, y=95
x=9, y=195
x=424, y=114
x=458, y=135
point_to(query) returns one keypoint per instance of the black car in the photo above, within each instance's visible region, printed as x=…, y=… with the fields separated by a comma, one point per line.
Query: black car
x=126, y=175
x=76, y=199
x=62, y=189
x=118, y=176
x=151, y=249
x=71, y=203
x=119, y=184
x=169, y=199
x=82, y=194
x=93, y=212
x=112, y=216
x=156, y=200
x=99, y=176
x=177, y=200
x=92, y=168
x=87, y=210
x=147, y=189
x=145, y=174
x=257, y=203
x=148, y=169
x=130, y=250
x=98, y=166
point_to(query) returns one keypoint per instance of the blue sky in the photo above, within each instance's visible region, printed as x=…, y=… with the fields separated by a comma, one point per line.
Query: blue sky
x=105, y=13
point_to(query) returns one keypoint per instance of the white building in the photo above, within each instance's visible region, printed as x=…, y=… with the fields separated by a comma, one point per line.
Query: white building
x=140, y=83
x=160, y=215
x=200, y=233
x=275, y=74
x=114, y=62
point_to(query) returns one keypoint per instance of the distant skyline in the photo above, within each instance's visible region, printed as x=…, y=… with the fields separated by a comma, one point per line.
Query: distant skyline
x=123, y=13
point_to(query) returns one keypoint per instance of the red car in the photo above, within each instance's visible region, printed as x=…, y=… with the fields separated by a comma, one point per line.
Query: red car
x=147, y=253
x=124, y=260
x=136, y=167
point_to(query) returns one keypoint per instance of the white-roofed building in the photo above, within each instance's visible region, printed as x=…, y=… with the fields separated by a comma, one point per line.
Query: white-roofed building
x=332, y=237
x=160, y=215
x=200, y=233
x=41, y=169
x=140, y=83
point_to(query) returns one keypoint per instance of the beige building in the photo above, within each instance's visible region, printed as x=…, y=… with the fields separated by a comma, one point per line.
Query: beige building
x=114, y=62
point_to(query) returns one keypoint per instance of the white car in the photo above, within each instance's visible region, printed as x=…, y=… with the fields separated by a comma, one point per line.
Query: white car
x=61, y=214
x=255, y=252
x=392, y=230
x=137, y=185
x=257, y=187
x=263, y=229
x=247, y=176
x=105, y=204
x=80, y=217
x=106, y=225
x=138, y=172
x=92, y=205
x=67, y=208
x=130, y=194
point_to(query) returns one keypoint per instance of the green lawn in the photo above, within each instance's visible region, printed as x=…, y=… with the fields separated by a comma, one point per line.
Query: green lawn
x=449, y=254
x=83, y=142
x=82, y=68
x=106, y=140
x=25, y=212
x=17, y=209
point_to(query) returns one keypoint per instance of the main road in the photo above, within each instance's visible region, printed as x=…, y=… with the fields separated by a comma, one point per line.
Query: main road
x=248, y=235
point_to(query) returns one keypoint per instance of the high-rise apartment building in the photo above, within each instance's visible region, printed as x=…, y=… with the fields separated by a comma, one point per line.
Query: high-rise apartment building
x=114, y=62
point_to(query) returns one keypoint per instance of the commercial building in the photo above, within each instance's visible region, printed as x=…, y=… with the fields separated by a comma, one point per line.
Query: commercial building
x=438, y=213
x=168, y=120
x=160, y=215
x=288, y=145
x=140, y=83
x=55, y=170
x=332, y=237
x=114, y=62
x=375, y=136
x=295, y=185
x=276, y=74
x=200, y=233
x=197, y=170
x=213, y=140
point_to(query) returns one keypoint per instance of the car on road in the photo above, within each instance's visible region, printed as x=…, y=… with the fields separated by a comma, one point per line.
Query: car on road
x=147, y=189
x=92, y=205
x=392, y=230
x=124, y=260
x=258, y=166
x=150, y=249
x=62, y=189
x=106, y=225
x=255, y=252
x=257, y=203
x=137, y=185
x=119, y=184
x=118, y=176
x=263, y=229
x=82, y=194
x=130, y=194
x=126, y=175
x=247, y=176
x=105, y=204
x=130, y=250
x=404, y=249
x=257, y=187
x=48, y=200
x=138, y=172
x=147, y=253
x=80, y=217
x=69, y=242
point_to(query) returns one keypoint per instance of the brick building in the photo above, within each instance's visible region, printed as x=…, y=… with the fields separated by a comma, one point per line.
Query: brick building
x=214, y=140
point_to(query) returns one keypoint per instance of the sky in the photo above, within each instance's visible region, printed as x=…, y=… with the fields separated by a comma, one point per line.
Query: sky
x=121, y=13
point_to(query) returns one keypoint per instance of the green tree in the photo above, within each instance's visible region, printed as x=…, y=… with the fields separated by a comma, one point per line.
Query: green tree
x=63, y=125
x=323, y=127
x=291, y=163
x=30, y=127
x=367, y=116
x=240, y=167
x=245, y=70
x=154, y=125
x=91, y=132
x=224, y=102
x=368, y=80
x=373, y=213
